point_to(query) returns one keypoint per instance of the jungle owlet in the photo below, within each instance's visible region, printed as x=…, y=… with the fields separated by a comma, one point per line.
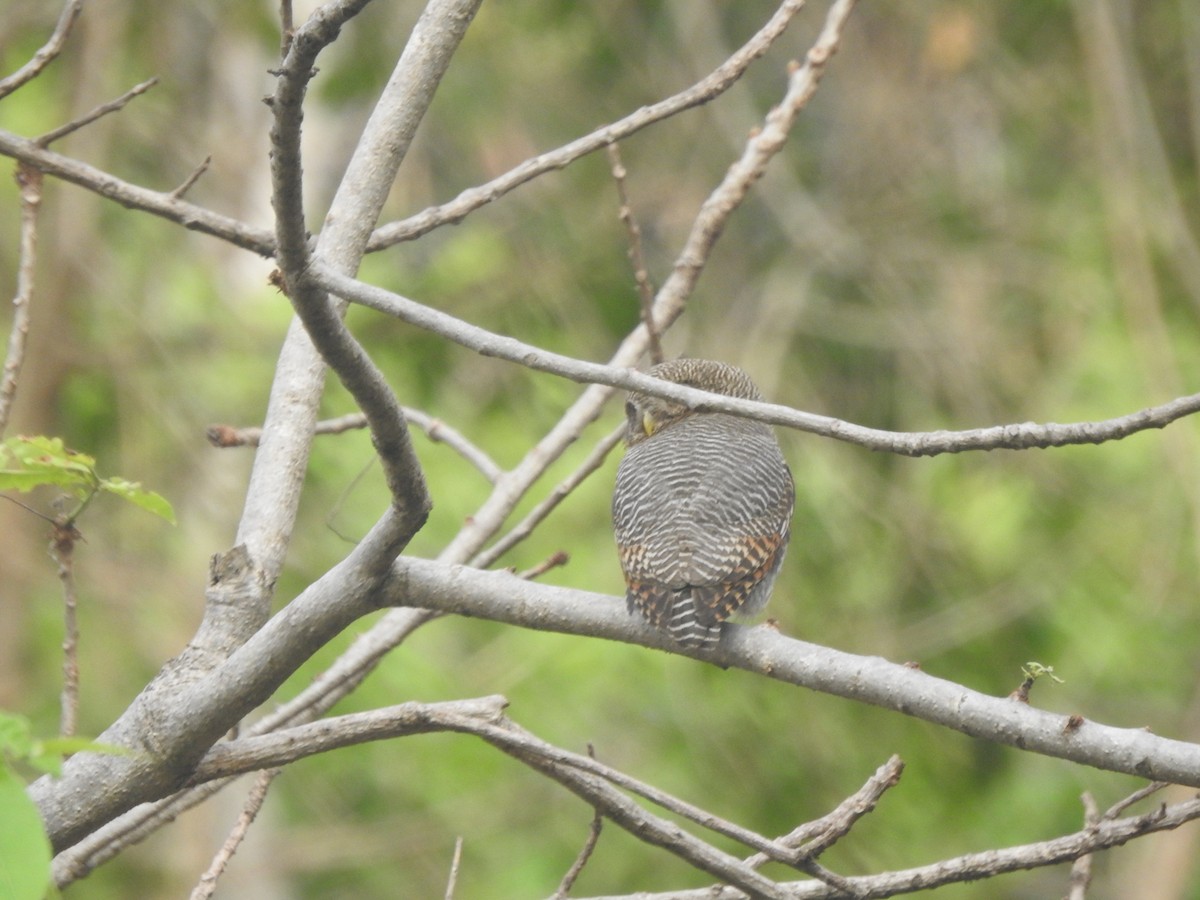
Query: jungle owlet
x=702, y=506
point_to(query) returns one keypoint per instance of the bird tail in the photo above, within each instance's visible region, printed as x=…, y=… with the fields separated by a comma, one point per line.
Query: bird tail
x=684, y=624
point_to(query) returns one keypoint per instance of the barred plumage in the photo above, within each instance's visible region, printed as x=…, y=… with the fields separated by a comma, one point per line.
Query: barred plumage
x=702, y=506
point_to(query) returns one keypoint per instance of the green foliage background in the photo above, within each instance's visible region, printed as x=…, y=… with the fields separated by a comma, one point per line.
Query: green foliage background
x=987, y=214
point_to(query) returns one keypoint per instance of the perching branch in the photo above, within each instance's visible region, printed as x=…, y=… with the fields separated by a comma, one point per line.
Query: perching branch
x=500, y=597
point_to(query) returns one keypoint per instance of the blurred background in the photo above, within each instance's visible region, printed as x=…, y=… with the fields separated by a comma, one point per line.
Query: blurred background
x=987, y=214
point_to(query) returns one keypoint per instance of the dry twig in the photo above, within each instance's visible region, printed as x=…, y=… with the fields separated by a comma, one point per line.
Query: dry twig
x=455, y=861
x=640, y=276
x=254, y=801
x=29, y=182
x=102, y=110
x=48, y=52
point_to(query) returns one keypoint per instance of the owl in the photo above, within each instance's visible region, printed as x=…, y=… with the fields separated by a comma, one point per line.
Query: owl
x=702, y=507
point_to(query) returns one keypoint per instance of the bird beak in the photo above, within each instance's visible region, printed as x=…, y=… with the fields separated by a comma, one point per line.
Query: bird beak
x=648, y=424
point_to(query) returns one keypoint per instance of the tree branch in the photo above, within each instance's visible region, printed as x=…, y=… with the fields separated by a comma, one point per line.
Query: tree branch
x=501, y=597
x=132, y=196
x=972, y=866
x=100, y=111
x=322, y=319
x=703, y=91
x=48, y=52
x=29, y=183
x=1022, y=436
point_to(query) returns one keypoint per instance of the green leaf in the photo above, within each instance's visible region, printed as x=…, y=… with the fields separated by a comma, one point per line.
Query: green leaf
x=24, y=848
x=30, y=462
x=139, y=496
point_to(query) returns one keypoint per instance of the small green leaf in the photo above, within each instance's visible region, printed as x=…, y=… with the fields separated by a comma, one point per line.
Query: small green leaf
x=30, y=462
x=24, y=848
x=139, y=496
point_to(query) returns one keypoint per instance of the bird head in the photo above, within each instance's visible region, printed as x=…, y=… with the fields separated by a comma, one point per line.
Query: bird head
x=646, y=415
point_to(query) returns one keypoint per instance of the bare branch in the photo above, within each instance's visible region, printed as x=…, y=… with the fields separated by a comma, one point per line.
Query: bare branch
x=191, y=180
x=254, y=802
x=494, y=595
x=435, y=429
x=640, y=276
x=975, y=866
x=326, y=690
x=29, y=182
x=62, y=549
x=48, y=52
x=1081, y=870
x=132, y=196
x=585, y=853
x=279, y=748
x=455, y=861
x=642, y=824
x=1136, y=797
x=815, y=837
x=279, y=465
x=287, y=27
x=553, y=561
x=561, y=491
x=1023, y=436
x=439, y=432
x=716, y=83
x=102, y=110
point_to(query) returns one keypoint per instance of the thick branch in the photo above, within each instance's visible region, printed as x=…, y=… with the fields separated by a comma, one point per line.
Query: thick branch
x=500, y=597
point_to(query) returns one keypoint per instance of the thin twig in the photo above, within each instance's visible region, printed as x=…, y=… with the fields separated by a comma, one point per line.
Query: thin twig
x=585, y=853
x=435, y=429
x=978, y=866
x=29, y=181
x=254, y=801
x=62, y=547
x=188, y=182
x=815, y=837
x=1081, y=869
x=556, y=559
x=455, y=861
x=1136, y=797
x=287, y=27
x=133, y=196
x=441, y=433
x=561, y=491
x=1019, y=436
x=640, y=275
x=48, y=52
x=102, y=110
